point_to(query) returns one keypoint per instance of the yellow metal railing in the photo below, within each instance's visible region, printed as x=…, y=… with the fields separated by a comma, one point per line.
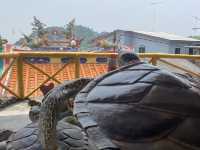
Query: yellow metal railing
x=18, y=59
x=155, y=57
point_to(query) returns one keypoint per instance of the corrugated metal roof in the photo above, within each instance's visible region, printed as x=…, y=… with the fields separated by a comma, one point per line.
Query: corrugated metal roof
x=164, y=35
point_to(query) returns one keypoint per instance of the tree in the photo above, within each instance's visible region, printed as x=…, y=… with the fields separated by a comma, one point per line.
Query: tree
x=38, y=27
x=27, y=41
x=2, y=41
x=196, y=37
x=27, y=38
x=70, y=29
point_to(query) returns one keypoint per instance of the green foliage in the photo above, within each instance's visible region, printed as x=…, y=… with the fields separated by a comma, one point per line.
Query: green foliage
x=40, y=32
x=2, y=41
x=86, y=34
x=70, y=28
x=29, y=42
x=38, y=27
x=27, y=38
x=196, y=37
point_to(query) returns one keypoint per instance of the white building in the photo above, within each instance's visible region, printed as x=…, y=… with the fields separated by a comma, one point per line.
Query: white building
x=155, y=42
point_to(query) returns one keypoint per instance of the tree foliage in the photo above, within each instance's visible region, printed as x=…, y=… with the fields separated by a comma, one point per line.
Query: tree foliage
x=2, y=41
x=87, y=34
x=70, y=29
x=39, y=30
x=38, y=27
x=196, y=37
x=42, y=33
x=27, y=38
x=27, y=41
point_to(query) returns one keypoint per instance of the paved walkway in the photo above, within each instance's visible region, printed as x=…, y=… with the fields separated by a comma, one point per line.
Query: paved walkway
x=15, y=116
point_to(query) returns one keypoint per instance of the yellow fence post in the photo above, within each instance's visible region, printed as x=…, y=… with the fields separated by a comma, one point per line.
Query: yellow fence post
x=154, y=61
x=77, y=67
x=20, y=82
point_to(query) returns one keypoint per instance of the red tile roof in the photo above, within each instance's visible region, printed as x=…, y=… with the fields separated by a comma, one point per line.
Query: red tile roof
x=33, y=78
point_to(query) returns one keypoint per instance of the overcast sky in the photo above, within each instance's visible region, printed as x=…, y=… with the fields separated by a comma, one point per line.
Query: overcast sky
x=173, y=16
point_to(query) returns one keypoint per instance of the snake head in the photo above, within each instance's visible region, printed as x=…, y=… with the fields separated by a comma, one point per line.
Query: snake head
x=74, y=86
x=80, y=83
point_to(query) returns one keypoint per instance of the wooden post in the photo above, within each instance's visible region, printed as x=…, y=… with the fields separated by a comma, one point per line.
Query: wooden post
x=20, y=82
x=77, y=67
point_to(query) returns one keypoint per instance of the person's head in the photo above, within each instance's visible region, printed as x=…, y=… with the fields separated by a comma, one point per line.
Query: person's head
x=126, y=58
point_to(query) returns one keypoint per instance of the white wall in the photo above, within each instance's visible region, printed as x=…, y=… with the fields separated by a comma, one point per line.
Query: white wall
x=174, y=45
x=152, y=45
x=181, y=45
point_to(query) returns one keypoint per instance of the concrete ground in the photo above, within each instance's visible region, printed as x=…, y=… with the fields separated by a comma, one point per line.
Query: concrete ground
x=15, y=116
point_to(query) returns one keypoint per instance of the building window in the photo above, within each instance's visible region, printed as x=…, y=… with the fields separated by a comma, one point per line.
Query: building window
x=177, y=50
x=142, y=49
x=41, y=60
x=191, y=52
x=66, y=60
x=101, y=60
x=83, y=60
